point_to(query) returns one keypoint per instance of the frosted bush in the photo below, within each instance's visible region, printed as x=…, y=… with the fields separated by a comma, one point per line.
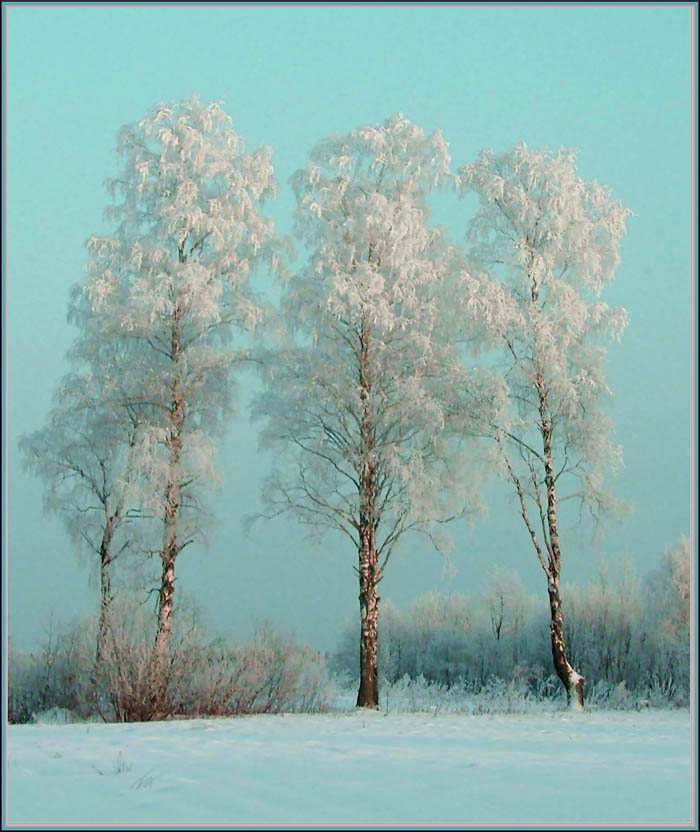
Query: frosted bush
x=272, y=674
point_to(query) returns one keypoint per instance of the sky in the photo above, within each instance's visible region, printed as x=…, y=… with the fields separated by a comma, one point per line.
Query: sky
x=612, y=81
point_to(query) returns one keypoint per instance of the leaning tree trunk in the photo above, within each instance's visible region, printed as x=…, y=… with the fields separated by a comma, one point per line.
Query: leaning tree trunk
x=570, y=679
x=369, y=574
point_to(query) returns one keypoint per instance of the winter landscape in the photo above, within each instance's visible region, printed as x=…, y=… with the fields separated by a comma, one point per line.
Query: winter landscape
x=356, y=488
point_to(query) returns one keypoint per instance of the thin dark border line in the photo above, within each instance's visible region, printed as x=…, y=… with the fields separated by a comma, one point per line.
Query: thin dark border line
x=359, y=4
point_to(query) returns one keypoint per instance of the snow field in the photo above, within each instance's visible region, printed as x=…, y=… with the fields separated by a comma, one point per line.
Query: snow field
x=357, y=768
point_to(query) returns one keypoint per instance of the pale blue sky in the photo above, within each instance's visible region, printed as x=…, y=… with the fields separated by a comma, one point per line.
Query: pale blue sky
x=614, y=82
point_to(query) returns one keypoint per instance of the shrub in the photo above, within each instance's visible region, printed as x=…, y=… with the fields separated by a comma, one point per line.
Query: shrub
x=57, y=677
x=272, y=674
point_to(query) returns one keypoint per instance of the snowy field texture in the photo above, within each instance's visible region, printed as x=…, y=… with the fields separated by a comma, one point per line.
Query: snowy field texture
x=355, y=769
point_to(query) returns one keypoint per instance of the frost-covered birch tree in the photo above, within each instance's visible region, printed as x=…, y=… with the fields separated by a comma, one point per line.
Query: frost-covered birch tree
x=85, y=457
x=173, y=279
x=359, y=399
x=545, y=244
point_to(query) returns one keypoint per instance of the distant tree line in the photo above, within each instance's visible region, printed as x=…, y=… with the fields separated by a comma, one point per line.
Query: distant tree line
x=623, y=633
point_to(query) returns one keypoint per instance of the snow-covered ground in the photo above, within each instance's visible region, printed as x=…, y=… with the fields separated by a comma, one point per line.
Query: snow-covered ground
x=355, y=768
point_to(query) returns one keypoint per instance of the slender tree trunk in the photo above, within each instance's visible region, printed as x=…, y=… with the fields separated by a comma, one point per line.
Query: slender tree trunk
x=570, y=679
x=165, y=609
x=173, y=497
x=369, y=572
x=105, y=589
x=171, y=549
x=368, y=693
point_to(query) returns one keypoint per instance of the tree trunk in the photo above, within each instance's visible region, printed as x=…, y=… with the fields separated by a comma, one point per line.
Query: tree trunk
x=368, y=693
x=158, y=682
x=105, y=590
x=171, y=549
x=369, y=573
x=173, y=498
x=570, y=679
x=165, y=609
